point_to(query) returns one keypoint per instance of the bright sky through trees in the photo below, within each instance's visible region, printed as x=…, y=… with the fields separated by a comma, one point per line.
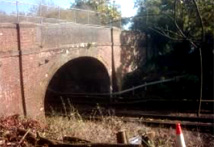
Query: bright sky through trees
x=126, y=6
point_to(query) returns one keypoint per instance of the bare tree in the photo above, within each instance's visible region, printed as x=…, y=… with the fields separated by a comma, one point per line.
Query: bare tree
x=180, y=35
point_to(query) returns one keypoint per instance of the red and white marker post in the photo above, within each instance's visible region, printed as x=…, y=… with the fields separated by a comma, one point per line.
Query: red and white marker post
x=179, y=136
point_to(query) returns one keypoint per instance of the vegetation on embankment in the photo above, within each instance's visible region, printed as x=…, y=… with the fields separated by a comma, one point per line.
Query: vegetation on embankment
x=103, y=131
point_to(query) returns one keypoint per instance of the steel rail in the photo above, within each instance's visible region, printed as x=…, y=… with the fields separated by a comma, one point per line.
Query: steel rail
x=189, y=125
x=120, y=92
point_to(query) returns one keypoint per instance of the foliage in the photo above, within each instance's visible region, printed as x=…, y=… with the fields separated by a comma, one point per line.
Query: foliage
x=102, y=6
x=158, y=18
x=175, y=35
x=104, y=130
x=99, y=11
x=161, y=16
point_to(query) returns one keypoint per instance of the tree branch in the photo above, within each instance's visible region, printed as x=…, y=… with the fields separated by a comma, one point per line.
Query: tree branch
x=164, y=34
x=200, y=52
x=201, y=21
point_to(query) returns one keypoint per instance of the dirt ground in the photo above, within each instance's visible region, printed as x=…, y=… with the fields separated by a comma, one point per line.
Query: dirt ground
x=103, y=131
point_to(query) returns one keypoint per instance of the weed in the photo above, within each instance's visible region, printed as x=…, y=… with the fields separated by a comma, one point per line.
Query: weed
x=104, y=130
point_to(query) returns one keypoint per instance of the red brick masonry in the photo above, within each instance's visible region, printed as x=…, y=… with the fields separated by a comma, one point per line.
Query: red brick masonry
x=24, y=56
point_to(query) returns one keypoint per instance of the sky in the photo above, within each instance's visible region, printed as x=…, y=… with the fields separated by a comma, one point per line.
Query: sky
x=125, y=6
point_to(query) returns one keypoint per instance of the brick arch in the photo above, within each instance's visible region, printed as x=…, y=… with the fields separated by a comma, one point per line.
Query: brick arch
x=58, y=64
x=39, y=76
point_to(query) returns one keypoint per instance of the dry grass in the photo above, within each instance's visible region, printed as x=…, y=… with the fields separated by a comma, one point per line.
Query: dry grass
x=104, y=131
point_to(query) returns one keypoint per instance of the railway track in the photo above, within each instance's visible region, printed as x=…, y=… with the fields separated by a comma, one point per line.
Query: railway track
x=140, y=114
x=156, y=118
x=197, y=126
x=189, y=123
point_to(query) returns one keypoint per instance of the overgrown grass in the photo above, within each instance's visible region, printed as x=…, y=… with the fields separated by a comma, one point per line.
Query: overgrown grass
x=104, y=130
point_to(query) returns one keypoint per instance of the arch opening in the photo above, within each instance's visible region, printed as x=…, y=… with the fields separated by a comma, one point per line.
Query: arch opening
x=83, y=75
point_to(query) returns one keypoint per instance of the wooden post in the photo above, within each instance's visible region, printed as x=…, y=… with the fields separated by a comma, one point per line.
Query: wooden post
x=122, y=137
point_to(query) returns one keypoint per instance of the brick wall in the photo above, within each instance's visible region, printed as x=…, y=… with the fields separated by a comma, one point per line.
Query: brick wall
x=45, y=48
x=10, y=91
x=8, y=37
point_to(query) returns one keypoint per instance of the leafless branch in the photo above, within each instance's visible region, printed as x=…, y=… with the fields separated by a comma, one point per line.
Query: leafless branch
x=164, y=34
x=168, y=32
x=201, y=21
x=200, y=52
x=20, y=142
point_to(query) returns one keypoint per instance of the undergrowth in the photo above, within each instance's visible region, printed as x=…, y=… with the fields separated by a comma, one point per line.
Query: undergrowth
x=104, y=130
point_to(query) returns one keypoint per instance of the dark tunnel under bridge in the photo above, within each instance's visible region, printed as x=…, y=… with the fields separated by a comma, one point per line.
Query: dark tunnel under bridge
x=80, y=76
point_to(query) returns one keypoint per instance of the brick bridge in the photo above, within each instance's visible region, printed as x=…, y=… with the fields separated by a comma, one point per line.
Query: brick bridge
x=63, y=57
